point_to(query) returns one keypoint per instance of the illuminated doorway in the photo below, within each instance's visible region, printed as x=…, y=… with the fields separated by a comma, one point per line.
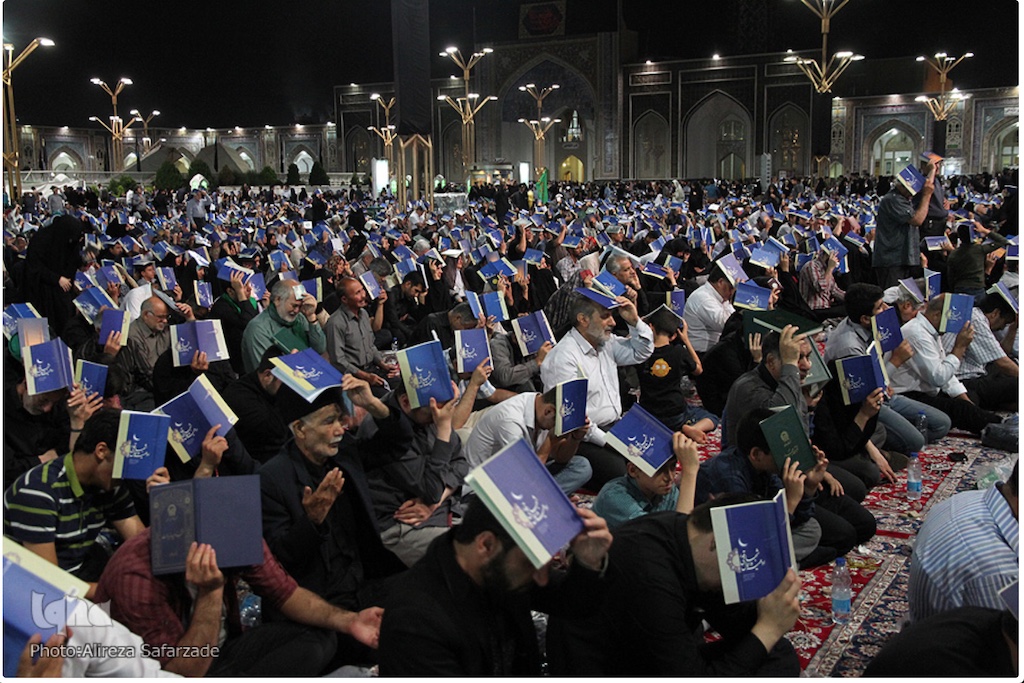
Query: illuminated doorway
x=571, y=169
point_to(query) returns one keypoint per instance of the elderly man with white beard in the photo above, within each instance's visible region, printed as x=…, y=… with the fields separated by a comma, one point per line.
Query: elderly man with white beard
x=589, y=347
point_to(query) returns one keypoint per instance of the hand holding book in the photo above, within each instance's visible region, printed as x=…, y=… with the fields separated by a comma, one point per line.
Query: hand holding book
x=590, y=546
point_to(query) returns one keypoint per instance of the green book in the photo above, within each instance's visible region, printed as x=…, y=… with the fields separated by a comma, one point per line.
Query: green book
x=818, y=376
x=288, y=341
x=787, y=439
x=760, y=322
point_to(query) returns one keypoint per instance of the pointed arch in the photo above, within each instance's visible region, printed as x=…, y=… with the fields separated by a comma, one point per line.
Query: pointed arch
x=993, y=144
x=789, y=140
x=716, y=126
x=64, y=159
x=243, y=154
x=650, y=145
x=876, y=156
x=544, y=69
x=357, y=150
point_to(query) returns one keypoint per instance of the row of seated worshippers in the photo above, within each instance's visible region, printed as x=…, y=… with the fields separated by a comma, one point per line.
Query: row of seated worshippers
x=373, y=549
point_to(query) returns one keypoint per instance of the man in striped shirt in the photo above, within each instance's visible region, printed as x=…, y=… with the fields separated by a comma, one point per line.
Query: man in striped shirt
x=58, y=508
x=966, y=551
x=988, y=374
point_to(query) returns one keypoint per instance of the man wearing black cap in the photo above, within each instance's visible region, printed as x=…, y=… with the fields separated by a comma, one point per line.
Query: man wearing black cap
x=317, y=514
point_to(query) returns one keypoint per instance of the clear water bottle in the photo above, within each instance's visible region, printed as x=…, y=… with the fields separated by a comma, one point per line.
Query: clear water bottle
x=922, y=426
x=842, y=592
x=914, y=478
x=391, y=356
x=250, y=611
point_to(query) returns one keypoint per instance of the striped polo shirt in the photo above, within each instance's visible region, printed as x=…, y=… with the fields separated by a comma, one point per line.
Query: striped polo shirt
x=47, y=504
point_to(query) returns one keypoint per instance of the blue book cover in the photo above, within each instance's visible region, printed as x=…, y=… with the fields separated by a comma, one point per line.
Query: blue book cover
x=258, y=284
x=752, y=297
x=932, y=284
x=15, y=312
x=676, y=301
x=225, y=266
x=83, y=282
x=204, y=293
x=203, y=336
x=776, y=245
x=909, y=286
x=192, y=413
x=317, y=258
x=675, y=263
x=473, y=299
x=498, y=267
x=168, y=281
x=532, y=331
x=193, y=510
x=106, y=276
x=425, y=374
x=911, y=178
x=642, y=439
x=858, y=376
x=886, y=329
x=732, y=269
x=279, y=261
x=534, y=256
x=956, y=312
x=306, y=372
x=655, y=270
x=91, y=377
x=471, y=349
x=520, y=492
x=141, y=444
x=32, y=604
x=48, y=367
x=404, y=267
x=1002, y=290
x=114, y=320
x=369, y=281
x=314, y=287
x=91, y=301
x=936, y=243
x=754, y=546
x=403, y=253
x=598, y=297
x=766, y=258
x=608, y=284
x=571, y=405
x=33, y=331
x=494, y=305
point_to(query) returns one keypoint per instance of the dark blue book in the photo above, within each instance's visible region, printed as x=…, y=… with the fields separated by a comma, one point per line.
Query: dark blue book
x=608, y=284
x=473, y=299
x=114, y=320
x=202, y=336
x=15, y=312
x=369, y=281
x=936, y=243
x=406, y=266
x=909, y=286
x=83, y=281
x=752, y=297
x=141, y=444
x=885, y=327
x=956, y=312
x=315, y=287
x=911, y=179
x=48, y=367
x=192, y=414
x=167, y=278
x=766, y=258
x=500, y=266
x=932, y=284
x=91, y=377
x=222, y=511
x=598, y=297
x=90, y=301
x=106, y=276
x=32, y=604
x=802, y=260
x=571, y=405
x=534, y=256
x=306, y=372
x=204, y=293
x=676, y=301
x=258, y=284
x=520, y=492
x=279, y=261
x=226, y=266
x=859, y=376
x=754, y=546
x=642, y=439
x=494, y=305
x=532, y=331
x=732, y=269
x=655, y=270
x=675, y=263
x=1002, y=290
x=471, y=349
x=425, y=373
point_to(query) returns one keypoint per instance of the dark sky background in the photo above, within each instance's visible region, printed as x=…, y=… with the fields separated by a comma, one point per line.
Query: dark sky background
x=225, y=63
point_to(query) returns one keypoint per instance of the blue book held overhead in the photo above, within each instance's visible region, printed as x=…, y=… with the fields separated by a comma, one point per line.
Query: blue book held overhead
x=520, y=492
x=1002, y=290
x=732, y=269
x=911, y=179
x=885, y=327
x=676, y=301
x=932, y=284
x=204, y=293
x=425, y=374
x=752, y=297
x=15, y=312
x=91, y=301
x=114, y=320
x=306, y=372
x=598, y=297
x=642, y=439
x=570, y=405
x=314, y=287
x=192, y=414
x=754, y=546
x=494, y=305
x=48, y=367
x=473, y=299
x=909, y=286
x=471, y=349
x=956, y=312
x=532, y=331
x=859, y=376
x=141, y=444
x=167, y=278
x=369, y=281
x=608, y=284
x=202, y=336
x=258, y=284
x=91, y=377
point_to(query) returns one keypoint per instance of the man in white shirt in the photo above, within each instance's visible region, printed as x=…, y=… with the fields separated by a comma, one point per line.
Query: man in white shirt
x=930, y=375
x=531, y=416
x=708, y=308
x=591, y=349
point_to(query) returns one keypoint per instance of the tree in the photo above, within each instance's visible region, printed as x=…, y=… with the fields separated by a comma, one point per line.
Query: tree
x=268, y=176
x=293, y=175
x=227, y=176
x=201, y=167
x=168, y=177
x=317, y=175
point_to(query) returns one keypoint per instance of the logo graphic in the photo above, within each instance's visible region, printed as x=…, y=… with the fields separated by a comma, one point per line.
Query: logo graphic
x=182, y=432
x=421, y=379
x=740, y=563
x=660, y=368
x=638, y=449
x=528, y=516
x=131, y=450
x=311, y=374
x=566, y=409
x=40, y=370
x=466, y=352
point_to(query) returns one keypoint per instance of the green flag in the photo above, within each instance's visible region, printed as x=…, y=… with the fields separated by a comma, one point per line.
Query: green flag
x=541, y=191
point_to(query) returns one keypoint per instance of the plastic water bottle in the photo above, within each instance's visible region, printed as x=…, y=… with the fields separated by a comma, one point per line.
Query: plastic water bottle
x=842, y=592
x=391, y=357
x=922, y=426
x=914, y=478
x=250, y=611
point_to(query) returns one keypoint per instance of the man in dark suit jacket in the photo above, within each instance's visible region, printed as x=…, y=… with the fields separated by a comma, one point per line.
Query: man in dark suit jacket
x=317, y=517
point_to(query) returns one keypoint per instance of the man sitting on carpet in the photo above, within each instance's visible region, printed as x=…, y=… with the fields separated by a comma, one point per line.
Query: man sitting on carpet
x=966, y=551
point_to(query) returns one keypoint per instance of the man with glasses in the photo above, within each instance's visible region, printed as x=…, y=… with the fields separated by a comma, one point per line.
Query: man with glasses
x=148, y=337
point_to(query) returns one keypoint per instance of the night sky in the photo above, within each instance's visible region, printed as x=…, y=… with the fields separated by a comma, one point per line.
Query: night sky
x=221, y=64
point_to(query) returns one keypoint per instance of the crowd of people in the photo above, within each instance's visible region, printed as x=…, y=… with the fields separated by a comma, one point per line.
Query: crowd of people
x=375, y=552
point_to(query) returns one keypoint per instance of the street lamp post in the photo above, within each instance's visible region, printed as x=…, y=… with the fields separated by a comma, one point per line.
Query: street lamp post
x=942, y=106
x=117, y=127
x=387, y=132
x=11, y=166
x=824, y=74
x=540, y=125
x=146, y=141
x=465, y=105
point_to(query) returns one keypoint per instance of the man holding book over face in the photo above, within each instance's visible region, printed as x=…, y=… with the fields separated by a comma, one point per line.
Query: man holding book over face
x=896, y=251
